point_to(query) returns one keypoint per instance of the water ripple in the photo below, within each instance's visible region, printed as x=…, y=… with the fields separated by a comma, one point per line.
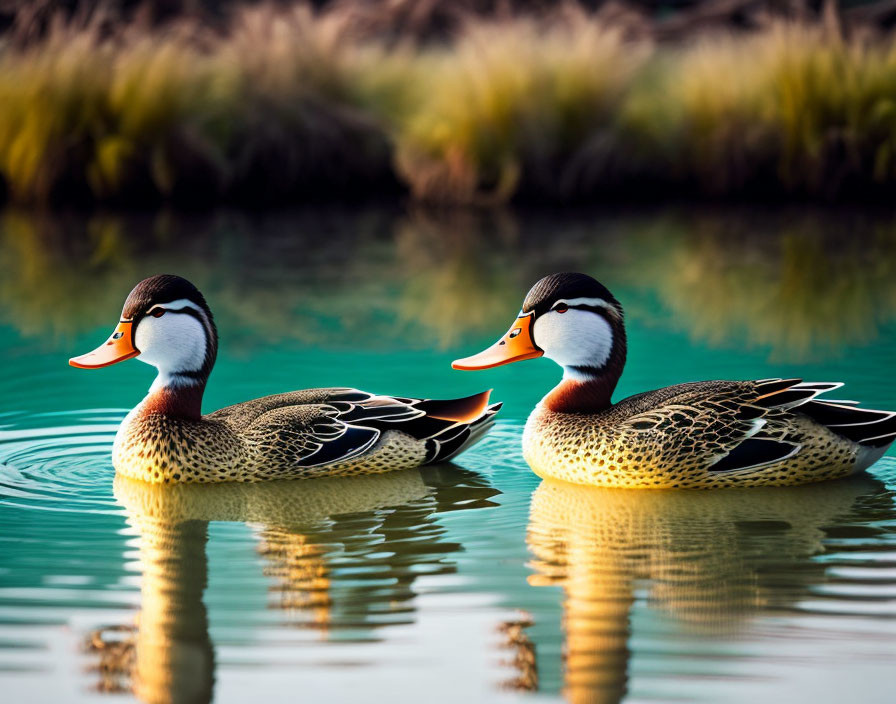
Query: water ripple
x=59, y=461
x=640, y=590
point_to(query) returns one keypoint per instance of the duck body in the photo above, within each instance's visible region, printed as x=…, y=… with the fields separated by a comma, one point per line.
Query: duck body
x=298, y=435
x=311, y=433
x=711, y=434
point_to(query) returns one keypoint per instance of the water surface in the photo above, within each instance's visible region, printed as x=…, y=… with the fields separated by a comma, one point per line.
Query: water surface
x=476, y=582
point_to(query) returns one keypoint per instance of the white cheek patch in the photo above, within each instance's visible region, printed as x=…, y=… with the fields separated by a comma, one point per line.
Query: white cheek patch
x=576, y=338
x=173, y=343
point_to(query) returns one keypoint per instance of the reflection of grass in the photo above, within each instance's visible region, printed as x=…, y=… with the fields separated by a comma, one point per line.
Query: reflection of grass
x=314, y=279
x=60, y=276
x=455, y=283
x=294, y=102
x=436, y=281
x=42, y=289
x=797, y=289
x=787, y=283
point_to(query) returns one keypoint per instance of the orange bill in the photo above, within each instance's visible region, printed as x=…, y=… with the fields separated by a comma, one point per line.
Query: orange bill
x=119, y=347
x=516, y=345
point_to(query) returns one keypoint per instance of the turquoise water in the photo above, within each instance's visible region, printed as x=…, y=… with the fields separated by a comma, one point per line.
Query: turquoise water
x=475, y=582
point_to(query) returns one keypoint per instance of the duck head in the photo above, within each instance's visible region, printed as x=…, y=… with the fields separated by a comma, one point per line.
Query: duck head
x=575, y=321
x=166, y=323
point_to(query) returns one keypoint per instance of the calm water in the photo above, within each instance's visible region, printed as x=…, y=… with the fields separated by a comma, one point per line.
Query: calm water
x=469, y=583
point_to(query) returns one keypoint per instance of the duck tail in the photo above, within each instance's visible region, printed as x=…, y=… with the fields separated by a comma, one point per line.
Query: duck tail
x=458, y=410
x=449, y=445
x=872, y=431
x=469, y=419
x=864, y=426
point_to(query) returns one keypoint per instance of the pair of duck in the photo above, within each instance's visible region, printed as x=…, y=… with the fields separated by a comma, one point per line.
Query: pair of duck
x=772, y=432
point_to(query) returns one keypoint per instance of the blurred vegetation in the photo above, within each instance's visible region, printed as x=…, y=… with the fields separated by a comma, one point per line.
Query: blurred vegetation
x=787, y=283
x=287, y=103
x=270, y=110
x=790, y=282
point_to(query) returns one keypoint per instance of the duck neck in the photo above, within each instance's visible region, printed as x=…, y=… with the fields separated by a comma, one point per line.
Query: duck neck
x=575, y=396
x=177, y=396
x=589, y=389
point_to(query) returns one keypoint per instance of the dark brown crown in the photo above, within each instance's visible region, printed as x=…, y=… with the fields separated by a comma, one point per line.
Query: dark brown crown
x=162, y=288
x=565, y=285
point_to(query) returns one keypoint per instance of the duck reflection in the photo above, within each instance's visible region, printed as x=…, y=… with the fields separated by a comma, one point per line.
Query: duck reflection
x=381, y=527
x=708, y=560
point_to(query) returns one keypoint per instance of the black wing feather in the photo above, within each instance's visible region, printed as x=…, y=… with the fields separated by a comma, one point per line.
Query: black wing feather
x=789, y=397
x=862, y=425
x=754, y=452
x=351, y=443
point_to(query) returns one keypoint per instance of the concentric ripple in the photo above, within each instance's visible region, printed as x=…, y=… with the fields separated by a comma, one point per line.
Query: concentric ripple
x=58, y=461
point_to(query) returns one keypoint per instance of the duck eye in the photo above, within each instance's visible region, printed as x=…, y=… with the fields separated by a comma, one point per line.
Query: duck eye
x=515, y=332
x=157, y=312
x=561, y=308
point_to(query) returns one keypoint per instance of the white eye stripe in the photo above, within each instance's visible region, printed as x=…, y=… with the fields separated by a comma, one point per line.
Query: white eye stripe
x=590, y=302
x=177, y=306
x=593, y=302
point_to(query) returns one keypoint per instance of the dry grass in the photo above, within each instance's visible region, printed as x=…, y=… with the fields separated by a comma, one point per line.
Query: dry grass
x=297, y=104
x=793, y=110
x=265, y=112
x=512, y=103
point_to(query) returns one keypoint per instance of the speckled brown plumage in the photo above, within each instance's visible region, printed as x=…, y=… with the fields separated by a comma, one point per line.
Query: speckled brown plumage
x=303, y=434
x=676, y=437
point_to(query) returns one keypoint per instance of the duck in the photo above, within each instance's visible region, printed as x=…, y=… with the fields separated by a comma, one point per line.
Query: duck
x=167, y=323
x=705, y=434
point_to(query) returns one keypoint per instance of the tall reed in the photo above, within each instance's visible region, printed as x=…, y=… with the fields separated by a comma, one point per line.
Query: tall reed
x=296, y=104
x=513, y=105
